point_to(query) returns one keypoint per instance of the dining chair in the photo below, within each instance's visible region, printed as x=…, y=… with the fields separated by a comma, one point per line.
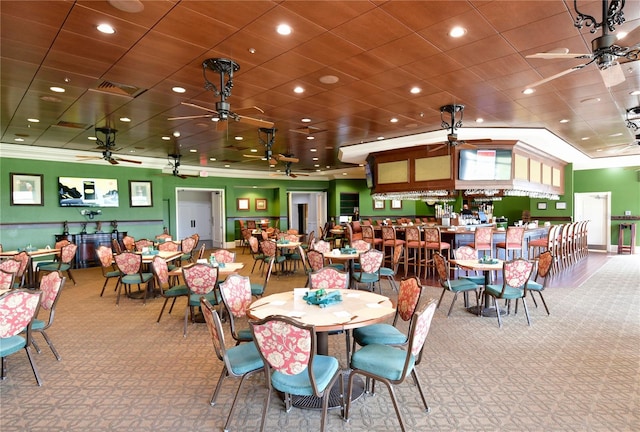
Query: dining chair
x=292, y=367
x=455, y=286
x=58, y=245
x=141, y=244
x=256, y=254
x=160, y=270
x=67, y=255
x=258, y=289
x=390, y=272
x=201, y=281
x=108, y=267
x=6, y=279
x=515, y=275
x=129, y=243
x=391, y=365
x=369, y=269
x=51, y=287
x=545, y=261
x=245, y=234
x=240, y=361
x=18, y=307
x=469, y=253
x=236, y=297
x=115, y=246
x=23, y=259
x=514, y=242
x=269, y=249
x=201, y=252
x=390, y=334
x=414, y=246
x=187, y=245
x=130, y=265
x=368, y=235
x=329, y=278
x=483, y=240
x=11, y=266
x=224, y=256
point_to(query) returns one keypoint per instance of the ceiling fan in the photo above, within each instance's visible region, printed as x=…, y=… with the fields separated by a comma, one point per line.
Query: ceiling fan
x=108, y=147
x=225, y=69
x=605, y=53
x=174, y=163
x=287, y=168
x=267, y=140
x=452, y=124
x=308, y=130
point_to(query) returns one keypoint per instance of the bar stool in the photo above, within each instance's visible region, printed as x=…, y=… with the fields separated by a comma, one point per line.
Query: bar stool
x=483, y=240
x=414, y=244
x=513, y=242
x=627, y=248
x=433, y=243
x=390, y=241
x=537, y=246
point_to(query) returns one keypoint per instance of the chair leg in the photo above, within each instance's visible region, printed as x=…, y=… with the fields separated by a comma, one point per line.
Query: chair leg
x=526, y=311
x=441, y=297
x=104, y=286
x=33, y=365
x=51, y=346
x=392, y=393
x=543, y=302
x=498, y=312
x=186, y=316
x=163, y=306
x=233, y=404
x=455, y=296
x=218, y=386
x=416, y=380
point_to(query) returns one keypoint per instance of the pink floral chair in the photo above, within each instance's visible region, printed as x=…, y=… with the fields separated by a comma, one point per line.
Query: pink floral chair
x=18, y=307
x=23, y=259
x=167, y=289
x=51, y=287
x=538, y=283
x=329, y=278
x=143, y=243
x=292, y=367
x=201, y=280
x=241, y=361
x=187, y=246
x=414, y=246
x=513, y=244
x=269, y=249
x=315, y=259
x=67, y=255
x=236, y=296
x=11, y=266
x=130, y=265
x=168, y=246
x=107, y=264
x=455, y=286
x=360, y=245
x=515, y=275
x=129, y=243
x=322, y=246
x=369, y=269
x=392, y=365
x=483, y=240
x=6, y=279
x=224, y=256
x=58, y=245
x=433, y=243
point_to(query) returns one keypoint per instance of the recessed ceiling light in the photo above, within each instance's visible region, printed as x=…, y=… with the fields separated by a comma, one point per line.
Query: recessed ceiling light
x=415, y=90
x=315, y=159
x=599, y=150
x=284, y=29
x=328, y=166
x=193, y=150
x=344, y=173
x=318, y=170
x=254, y=187
x=457, y=32
x=316, y=165
x=178, y=89
x=50, y=99
x=33, y=120
x=254, y=151
x=212, y=159
x=564, y=121
x=590, y=100
x=313, y=150
x=394, y=120
x=132, y=151
x=328, y=79
x=306, y=120
x=252, y=50
x=176, y=134
x=92, y=138
x=635, y=93
x=57, y=89
x=616, y=134
x=298, y=89
x=380, y=138
x=166, y=138
x=227, y=166
x=106, y=29
x=479, y=120
x=585, y=138
x=311, y=137
x=19, y=139
x=125, y=119
x=238, y=138
x=528, y=91
x=131, y=6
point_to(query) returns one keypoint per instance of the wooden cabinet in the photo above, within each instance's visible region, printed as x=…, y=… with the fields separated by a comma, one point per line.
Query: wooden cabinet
x=87, y=245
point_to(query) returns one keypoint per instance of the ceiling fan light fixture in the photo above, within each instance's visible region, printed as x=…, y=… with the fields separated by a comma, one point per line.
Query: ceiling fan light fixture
x=457, y=32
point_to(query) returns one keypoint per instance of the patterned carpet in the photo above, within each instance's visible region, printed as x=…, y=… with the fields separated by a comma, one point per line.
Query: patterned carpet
x=576, y=370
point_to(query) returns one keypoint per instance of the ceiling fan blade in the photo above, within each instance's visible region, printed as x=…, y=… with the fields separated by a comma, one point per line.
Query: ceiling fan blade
x=559, y=55
x=112, y=161
x=284, y=158
x=253, y=156
x=255, y=122
x=272, y=161
x=613, y=75
x=189, y=117
x=558, y=75
x=124, y=160
x=440, y=147
x=89, y=157
x=260, y=110
x=466, y=145
x=199, y=107
x=300, y=174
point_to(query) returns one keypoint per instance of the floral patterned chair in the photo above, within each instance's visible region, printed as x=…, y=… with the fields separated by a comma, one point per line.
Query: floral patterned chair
x=456, y=286
x=130, y=265
x=11, y=266
x=236, y=296
x=433, y=243
x=391, y=271
x=201, y=279
x=187, y=246
x=143, y=243
x=545, y=261
x=329, y=278
x=391, y=365
x=292, y=367
x=483, y=240
x=23, y=259
x=369, y=269
x=67, y=255
x=160, y=269
x=515, y=275
x=315, y=259
x=269, y=249
x=51, y=287
x=109, y=270
x=17, y=309
x=414, y=246
x=241, y=361
x=6, y=279
x=58, y=245
x=129, y=243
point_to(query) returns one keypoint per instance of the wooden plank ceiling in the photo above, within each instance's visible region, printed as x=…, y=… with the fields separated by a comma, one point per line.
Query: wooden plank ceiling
x=376, y=51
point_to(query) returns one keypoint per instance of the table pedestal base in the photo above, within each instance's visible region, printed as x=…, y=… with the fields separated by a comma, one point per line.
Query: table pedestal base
x=486, y=311
x=312, y=402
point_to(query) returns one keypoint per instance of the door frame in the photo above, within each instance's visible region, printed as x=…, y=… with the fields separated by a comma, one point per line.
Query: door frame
x=211, y=196
x=318, y=199
x=606, y=223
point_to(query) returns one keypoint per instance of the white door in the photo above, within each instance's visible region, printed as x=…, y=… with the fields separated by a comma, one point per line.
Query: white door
x=316, y=209
x=596, y=208
x=196, y=210
x=217, y=219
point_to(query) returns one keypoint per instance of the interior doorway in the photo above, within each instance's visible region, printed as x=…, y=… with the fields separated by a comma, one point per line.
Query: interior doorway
x=201, y=211
x=307, y=211
x=596, y=208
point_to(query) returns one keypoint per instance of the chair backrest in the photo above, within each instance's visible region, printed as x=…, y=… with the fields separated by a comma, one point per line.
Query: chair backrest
x=105, y=256
x=242, y=227
x=168, y=246
x=514, y=237
x=442, y=268
x=115, y=244
x=483, y=238
x=161, y=271
x=60, y=244
x=368, y=234
x=420, y=325
x=254, y=246
x=408, y=298
x=315, y=259
x=388, y=233
x=412, y=234
x=432, y=235
x=397, y=253
x=465, y=253
x=516, y=273
x=251, y=224
x=10, y=266
x=196, y=239
x=215, y=330
x=68, y=253
x=23, y=259
x=143, y=243
x=371, y=260
x=544, y=264
x=17, y=309
x=269, y=248
x=329, y=278
x=51, y=286
x=129, y=263
x=360, y=245
x=200, y=278
x=6, y=279
x=188, y=244
x=322, y=246
x=201, y=251
x=311, y=238
x=129, y=243
x=236, y=294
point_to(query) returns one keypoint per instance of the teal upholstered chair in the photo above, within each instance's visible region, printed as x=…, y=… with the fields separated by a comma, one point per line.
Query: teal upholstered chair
x=391, y=365
x=389, y=334
x=201, y=279
x=236, y=297
x=51, y=287
x=160, y=269
x=6, y=279
x=256, y=254
x=292, y=367
x=58, y=245
x=456, y=286
x=240, y=361
x=390, y=272
x=545, y=261
x=258, y=289
x=107, y=265
x=130, y=264
x=515, y=275
x=269, y=249
x=23, y=259
x=369, y=269
x=67, y=255
x=18, y=307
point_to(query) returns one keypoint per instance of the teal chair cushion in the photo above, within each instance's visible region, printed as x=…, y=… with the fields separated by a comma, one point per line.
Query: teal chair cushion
x=337, y=266
x=366, y=277
x=54, y=266
x=387, y=272
x=244, y=358
x=38, y=324
x=112, y=274
x=11, y=344
x=478, y=280
x=245, y=334
x=383, y=334
x=510, y=293
x=324, y=367
x=213, y=297
x=136, y=278
x=257, y=289
x=458, y=285
x=383, y=360
x=176, y=291
x=535, y=286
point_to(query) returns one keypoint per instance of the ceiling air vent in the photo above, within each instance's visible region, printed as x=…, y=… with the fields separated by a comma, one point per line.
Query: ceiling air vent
x=72, y=125
x=118, y=89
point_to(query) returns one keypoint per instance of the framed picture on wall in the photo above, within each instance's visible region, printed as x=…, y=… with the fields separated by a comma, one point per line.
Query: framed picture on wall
x=378, y=205
x=140, y=194
x=261, y=204
x=396, y=204
x=26, y=189
x=561, y=205
x=542, y=206
x=242, y=204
